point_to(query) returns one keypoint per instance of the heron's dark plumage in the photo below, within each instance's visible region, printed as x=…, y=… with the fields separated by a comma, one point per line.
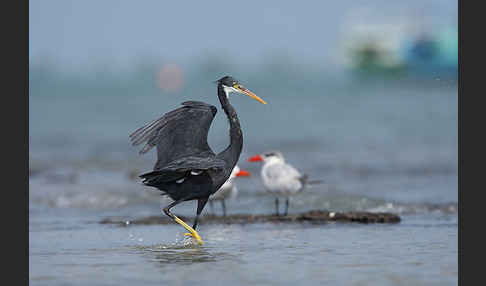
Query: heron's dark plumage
x=172, y=129
x=186, y=167
x=181, y=139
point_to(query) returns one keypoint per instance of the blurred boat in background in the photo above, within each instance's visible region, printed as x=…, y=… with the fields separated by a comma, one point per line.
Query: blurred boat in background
x=401, y=49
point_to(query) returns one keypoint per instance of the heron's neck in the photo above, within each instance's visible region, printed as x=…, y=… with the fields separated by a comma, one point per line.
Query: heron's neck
x=232, y=153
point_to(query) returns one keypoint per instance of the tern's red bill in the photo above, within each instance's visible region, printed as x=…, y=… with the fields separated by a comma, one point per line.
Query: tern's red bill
x=243, y=173
x=256, y=158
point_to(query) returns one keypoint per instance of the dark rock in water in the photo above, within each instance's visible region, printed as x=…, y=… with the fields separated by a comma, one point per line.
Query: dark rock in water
x=315, y=216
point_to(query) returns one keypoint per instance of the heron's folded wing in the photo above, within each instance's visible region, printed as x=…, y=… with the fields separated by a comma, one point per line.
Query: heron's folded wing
x=180, y=132
x=179, y=168
x=193, y=163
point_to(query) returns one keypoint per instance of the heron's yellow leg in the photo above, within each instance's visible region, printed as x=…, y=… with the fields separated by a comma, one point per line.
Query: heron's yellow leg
x=192, y=231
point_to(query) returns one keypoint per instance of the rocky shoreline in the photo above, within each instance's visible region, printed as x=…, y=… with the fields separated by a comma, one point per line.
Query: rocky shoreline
x=314, y=216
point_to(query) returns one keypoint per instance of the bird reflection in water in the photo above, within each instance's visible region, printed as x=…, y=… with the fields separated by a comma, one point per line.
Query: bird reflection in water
x=184, y=255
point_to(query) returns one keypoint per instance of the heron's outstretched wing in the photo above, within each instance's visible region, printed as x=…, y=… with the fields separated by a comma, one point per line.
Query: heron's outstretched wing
x=179, y=133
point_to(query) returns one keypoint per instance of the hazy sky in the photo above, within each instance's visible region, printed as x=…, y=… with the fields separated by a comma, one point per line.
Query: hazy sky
x=81, y=33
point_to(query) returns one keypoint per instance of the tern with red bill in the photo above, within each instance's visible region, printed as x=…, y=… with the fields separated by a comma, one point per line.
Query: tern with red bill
x=280, y=178
x=228, y=190
x=186, y=168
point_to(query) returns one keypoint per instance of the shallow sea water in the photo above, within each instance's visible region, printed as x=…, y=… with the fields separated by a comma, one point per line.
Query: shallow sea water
x=378, y=147
x=66, y=249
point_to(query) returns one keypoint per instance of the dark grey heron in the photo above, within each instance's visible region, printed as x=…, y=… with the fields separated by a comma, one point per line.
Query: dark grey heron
x=186, y=168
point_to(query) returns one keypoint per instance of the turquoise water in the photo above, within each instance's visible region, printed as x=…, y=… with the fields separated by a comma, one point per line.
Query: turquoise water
x=379, y=145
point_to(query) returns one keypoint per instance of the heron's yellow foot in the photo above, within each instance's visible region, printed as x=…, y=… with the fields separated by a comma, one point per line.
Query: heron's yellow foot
x=192, y=232
x=195, y=236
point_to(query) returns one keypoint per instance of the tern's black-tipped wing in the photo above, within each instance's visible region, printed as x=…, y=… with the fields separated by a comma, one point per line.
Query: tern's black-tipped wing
x=179, y=133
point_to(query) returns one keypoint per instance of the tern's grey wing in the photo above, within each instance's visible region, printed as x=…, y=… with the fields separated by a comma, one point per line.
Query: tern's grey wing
x=180, y=132
x=282, y=171
x=282, y=178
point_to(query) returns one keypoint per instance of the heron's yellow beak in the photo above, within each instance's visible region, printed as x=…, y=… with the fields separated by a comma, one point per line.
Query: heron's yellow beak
x=245, y=91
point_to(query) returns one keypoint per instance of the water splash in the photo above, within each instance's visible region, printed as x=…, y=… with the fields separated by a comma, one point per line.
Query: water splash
x=416, y=208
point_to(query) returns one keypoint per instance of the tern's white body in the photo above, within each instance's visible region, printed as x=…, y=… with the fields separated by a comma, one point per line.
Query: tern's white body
x=228, y=190
x=280, y=178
